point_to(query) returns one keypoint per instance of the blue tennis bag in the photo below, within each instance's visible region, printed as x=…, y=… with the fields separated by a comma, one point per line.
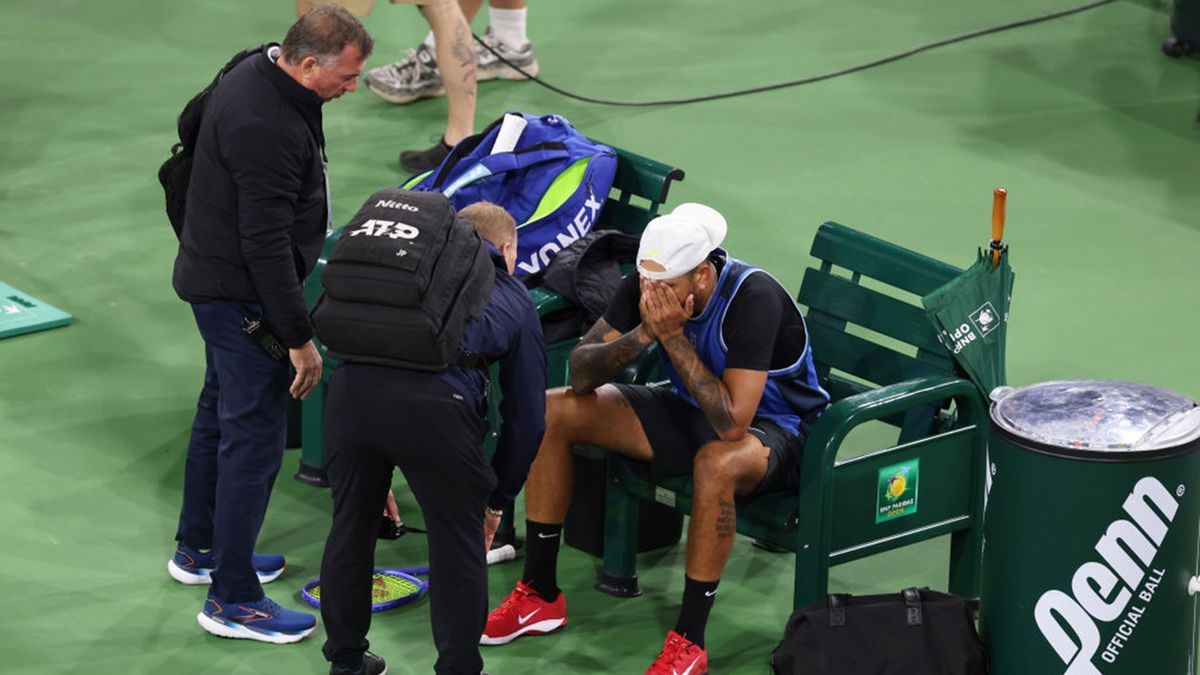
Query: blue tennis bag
x=551, y=178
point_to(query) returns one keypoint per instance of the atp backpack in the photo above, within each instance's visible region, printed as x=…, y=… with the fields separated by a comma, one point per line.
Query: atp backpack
x=551, y=178
x=402, y=282
x=176, y=172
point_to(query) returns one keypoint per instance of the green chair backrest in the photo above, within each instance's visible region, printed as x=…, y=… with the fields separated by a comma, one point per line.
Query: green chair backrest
x=637, y=177
x=840, y=306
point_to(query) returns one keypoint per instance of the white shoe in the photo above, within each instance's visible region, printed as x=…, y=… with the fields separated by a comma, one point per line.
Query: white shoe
x=492, y=68
x=413, y=77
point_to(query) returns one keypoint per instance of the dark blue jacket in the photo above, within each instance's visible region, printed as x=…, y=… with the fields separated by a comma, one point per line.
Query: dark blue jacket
x=509, y=332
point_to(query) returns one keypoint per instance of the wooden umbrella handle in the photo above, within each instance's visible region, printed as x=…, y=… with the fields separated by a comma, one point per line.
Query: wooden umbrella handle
x=998, y=198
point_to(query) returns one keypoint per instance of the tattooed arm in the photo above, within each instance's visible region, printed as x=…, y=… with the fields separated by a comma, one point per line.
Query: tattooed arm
x=602, y=354
x=729, y=403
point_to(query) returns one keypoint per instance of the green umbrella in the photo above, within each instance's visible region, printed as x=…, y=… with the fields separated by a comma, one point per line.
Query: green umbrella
x=970, y=312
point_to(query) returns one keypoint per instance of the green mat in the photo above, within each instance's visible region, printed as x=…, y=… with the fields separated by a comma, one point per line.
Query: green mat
x=22, y=313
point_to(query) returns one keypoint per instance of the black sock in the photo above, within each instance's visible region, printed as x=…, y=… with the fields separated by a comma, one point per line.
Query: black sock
x=541, y=558
x=698, y=598
x=445, y=144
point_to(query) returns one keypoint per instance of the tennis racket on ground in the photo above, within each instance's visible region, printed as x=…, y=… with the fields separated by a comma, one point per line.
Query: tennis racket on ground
x=390, y=588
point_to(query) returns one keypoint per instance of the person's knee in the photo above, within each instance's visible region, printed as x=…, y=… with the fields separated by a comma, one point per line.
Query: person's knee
x=564, y=409
x=714, y=469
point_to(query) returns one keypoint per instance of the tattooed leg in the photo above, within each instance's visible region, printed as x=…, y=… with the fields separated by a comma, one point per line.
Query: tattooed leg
x=726, y=519
x=456, y=60
x=720, y=471
x=463, y=50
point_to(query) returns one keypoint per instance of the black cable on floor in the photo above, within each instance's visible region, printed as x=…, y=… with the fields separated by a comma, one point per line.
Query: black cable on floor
x=807, y=80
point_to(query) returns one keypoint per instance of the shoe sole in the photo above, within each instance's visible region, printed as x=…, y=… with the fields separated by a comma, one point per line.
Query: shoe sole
x=204, y=577
x=504, y=72
x=237, y=631
x=401, y=99
x=539, y=628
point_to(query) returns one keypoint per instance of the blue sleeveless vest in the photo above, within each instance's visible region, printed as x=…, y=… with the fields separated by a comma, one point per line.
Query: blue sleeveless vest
x=791, y=394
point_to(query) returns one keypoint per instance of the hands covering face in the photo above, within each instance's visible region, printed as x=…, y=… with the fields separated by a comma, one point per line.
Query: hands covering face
x=663, y=315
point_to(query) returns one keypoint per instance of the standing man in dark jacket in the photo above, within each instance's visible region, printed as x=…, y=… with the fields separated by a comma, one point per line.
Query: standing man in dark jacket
x=257, y=215
x=432, y=426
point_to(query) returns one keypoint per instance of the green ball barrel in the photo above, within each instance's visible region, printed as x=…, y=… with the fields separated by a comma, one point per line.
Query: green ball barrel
x=1088, y=558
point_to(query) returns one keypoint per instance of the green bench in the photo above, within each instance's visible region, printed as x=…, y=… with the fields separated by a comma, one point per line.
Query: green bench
x=639, y=188
x=896, y=372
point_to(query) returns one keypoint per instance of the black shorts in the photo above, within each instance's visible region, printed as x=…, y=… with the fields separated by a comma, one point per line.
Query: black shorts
x=676, y=430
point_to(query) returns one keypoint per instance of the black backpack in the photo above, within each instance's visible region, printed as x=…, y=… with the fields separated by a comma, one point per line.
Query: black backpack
x=402, y=282
x=176, y=172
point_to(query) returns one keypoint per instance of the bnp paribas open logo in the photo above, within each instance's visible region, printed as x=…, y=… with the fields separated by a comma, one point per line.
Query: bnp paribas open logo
x=897, y=494
x=985, y=319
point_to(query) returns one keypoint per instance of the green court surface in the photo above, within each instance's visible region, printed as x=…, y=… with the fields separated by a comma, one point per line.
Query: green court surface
x=1082, y=119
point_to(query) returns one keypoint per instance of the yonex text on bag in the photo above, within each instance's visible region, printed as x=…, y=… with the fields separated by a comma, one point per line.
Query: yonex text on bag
x=551, y=178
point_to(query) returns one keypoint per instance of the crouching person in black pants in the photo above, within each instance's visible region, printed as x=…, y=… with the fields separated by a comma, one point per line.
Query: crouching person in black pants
x=431, y=425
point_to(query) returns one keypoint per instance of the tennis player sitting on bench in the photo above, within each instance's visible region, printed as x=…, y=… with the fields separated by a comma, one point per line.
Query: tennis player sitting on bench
x=743, y=394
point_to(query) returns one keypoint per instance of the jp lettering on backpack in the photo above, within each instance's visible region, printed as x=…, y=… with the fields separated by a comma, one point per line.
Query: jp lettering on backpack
x=551, y=178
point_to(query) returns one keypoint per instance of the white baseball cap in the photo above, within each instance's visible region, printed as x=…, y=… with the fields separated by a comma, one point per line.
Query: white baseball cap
x=676, y=243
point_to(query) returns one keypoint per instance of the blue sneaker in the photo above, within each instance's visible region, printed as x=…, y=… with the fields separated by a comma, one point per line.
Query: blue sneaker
x=262, y=620
x=191, y=567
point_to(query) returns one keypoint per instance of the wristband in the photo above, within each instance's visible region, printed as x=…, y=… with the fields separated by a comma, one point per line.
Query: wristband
x=493, y=512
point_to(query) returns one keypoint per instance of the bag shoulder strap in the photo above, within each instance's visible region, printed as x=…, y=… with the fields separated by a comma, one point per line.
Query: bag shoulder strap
x=188, y=122
x=504, y=162
x=460, y=150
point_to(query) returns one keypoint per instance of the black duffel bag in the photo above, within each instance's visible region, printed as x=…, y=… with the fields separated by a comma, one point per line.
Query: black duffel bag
x=914, y=632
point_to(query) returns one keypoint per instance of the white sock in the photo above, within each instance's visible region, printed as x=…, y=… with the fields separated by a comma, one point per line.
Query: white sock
x=430, y=42
x=508, y=26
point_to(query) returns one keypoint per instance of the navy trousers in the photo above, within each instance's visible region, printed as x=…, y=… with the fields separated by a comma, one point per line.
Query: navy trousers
x=235, y=450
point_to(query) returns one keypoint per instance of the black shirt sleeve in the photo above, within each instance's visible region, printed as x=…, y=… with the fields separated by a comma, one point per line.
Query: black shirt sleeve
x=762, y=329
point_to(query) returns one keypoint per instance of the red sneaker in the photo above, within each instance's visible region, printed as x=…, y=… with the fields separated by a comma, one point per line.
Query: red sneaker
x=679, y=657
x=523, y=612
